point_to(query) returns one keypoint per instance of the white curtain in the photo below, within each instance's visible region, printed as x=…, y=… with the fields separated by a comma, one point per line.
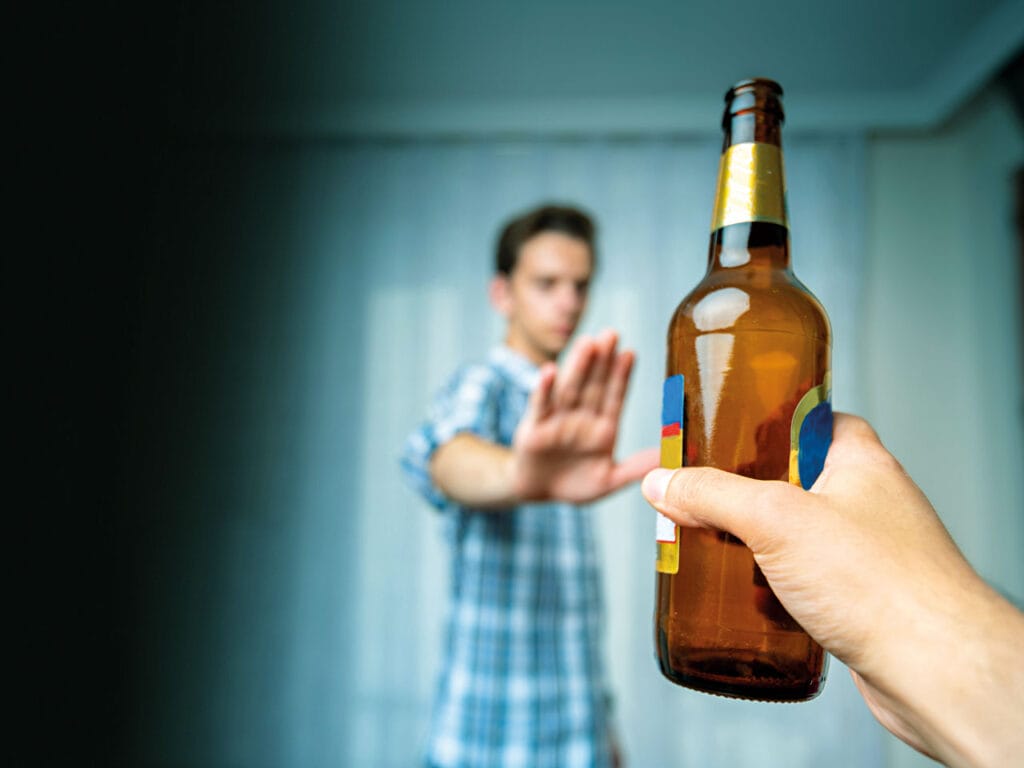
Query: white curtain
x=419, y=221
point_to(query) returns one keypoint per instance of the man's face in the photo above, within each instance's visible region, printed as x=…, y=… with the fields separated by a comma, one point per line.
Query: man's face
x=545, y=295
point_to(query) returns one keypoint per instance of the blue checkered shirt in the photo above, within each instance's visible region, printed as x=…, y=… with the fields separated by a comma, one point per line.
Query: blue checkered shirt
x=522, y=678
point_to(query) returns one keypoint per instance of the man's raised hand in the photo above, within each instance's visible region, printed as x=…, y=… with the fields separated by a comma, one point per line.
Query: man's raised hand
x=564, y=446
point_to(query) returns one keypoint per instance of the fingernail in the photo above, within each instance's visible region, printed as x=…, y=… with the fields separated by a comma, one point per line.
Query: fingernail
x=655, y=484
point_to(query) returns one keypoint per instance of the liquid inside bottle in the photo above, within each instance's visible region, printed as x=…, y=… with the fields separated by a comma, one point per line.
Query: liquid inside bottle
x=748, y=390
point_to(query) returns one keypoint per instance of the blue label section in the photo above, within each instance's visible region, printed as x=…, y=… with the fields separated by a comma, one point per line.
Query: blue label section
x=672, y=401
x=815, y=439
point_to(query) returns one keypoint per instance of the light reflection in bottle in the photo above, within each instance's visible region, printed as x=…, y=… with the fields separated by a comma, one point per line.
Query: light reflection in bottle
x=717, y=310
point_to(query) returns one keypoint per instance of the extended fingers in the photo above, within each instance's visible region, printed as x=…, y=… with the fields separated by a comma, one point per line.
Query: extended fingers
x=574, y=373
x=541, y=402
x=584, y=378
x=593, y=392
x=618, y=382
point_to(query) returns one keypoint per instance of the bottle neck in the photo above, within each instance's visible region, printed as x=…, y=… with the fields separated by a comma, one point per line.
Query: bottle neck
x=749, y=245
x=750, y=225
x=760, y=124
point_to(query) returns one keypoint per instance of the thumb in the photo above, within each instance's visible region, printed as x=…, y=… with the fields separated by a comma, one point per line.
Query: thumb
x=704, y=497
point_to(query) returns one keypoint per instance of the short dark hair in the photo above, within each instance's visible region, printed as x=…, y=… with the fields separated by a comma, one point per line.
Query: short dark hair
x=547, y=218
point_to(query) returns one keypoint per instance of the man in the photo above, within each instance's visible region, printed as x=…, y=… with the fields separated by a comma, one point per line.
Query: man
x=511, y=445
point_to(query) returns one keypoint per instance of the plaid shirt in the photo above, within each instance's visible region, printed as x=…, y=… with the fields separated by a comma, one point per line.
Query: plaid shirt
x=522, y=680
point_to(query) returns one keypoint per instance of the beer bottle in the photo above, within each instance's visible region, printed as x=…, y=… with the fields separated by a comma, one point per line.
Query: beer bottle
x=748, y=390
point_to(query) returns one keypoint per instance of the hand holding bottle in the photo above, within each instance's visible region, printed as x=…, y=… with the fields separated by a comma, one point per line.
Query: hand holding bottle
x=866, y=567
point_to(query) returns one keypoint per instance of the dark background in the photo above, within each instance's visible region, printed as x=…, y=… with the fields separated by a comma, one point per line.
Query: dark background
x=113, y=321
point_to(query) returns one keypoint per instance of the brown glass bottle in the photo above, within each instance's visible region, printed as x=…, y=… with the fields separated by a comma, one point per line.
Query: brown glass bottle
x=752, y=347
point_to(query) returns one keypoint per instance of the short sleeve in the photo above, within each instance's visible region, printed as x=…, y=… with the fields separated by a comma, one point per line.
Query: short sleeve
x=467, y=403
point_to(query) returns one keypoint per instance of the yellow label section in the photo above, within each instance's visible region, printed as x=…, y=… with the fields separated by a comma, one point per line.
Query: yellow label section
x=672, y=451
x=794, y=466
x=751, y=186
x=668, y=556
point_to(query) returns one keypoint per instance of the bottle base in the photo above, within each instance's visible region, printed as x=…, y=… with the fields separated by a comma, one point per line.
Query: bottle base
x=748, y=676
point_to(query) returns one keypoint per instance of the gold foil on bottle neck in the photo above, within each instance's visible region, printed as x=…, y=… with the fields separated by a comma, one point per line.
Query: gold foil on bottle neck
x=751, y=186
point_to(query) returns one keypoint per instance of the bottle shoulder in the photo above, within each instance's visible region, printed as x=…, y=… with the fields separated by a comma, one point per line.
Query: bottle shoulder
x=745, y=301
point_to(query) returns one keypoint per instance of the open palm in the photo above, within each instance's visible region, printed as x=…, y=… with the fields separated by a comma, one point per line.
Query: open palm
x=564, y=446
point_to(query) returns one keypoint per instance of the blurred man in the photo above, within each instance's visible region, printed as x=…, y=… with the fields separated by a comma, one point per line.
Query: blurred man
x=510, y=447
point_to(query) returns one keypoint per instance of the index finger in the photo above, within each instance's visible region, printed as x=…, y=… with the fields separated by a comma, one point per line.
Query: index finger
x=705, y=497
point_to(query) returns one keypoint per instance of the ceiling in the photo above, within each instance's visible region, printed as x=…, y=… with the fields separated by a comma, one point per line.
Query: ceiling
x=426, y=67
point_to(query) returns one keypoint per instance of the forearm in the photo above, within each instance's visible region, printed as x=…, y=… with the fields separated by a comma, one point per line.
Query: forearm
x=475, y=473
x=963, y=685
x=985, y=724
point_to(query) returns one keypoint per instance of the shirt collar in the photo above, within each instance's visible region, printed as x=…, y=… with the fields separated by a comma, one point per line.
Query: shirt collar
x=521, y=370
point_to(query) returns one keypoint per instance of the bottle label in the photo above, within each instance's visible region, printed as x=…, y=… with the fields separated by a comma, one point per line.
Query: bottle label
x=810, y=434
x=751, y=186
x=671, y=458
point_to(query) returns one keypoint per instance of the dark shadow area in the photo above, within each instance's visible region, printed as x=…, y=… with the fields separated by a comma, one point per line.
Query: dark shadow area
x=146, y=327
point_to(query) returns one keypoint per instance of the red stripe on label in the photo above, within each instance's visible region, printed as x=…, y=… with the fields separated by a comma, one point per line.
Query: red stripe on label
x=670, y=430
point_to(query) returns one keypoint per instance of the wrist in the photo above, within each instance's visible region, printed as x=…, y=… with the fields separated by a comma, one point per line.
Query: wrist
x=986, y=685
x=511, y=473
